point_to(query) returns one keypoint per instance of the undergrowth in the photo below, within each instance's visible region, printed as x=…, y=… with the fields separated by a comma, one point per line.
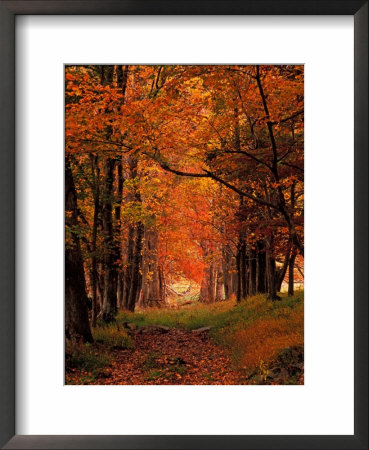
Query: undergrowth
x=254, y=331
x=87, y=360
x=112, y=336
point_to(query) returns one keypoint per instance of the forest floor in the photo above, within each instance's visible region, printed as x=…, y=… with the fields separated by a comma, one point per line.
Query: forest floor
x=170, y=357
x=254, y=342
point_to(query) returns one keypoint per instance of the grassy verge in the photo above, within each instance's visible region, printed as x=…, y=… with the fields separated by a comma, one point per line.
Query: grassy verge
x=85, y=362
x=254, y=332
x=112, y=336
x=265, y=340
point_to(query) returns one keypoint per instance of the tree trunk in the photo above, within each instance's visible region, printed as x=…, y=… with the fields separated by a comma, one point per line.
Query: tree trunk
x=270, y=270
x=120, y=290
x=94, y=272
x=252, y=272
x=152, y=293
x=100, y=283
x=162, y=282
x=227, y=267
x=122, y=78
x=117, y=231
x=243, y=268
x=77, y=326
x=207, y=289
x=281, y=273
x=219, y=288
x=241, y=245
x=106, y=74
x=128, y=269
x=261, y=268
x=133, y=276
x=234, y=278
x=110, y=290
x=291, y=267
x=291, y=263
x=239, y=281
x=136, y=276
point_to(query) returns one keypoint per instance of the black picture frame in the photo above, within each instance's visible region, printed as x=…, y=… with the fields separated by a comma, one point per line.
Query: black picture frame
x=8, y=11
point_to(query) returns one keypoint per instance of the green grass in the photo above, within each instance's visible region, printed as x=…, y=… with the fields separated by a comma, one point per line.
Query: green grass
x=230, y=324
x=253, y=332
x=90, y=360
x=86, y=357
x=219, y=315
x=168, y=372
x=151, y=361
x=154, y=375
x=112, y=336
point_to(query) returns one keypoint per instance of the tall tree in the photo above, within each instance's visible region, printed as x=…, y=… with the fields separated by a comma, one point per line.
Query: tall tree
x=76, y=312
x=110, y=286
x=183, y=145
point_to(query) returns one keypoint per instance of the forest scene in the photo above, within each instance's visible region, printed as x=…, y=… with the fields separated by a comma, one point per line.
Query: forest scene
x=184, y=224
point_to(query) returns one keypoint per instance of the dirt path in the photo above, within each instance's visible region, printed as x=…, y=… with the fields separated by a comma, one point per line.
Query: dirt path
x=171, y=357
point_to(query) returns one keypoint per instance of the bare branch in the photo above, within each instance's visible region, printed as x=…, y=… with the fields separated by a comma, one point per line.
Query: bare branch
x=250, y=155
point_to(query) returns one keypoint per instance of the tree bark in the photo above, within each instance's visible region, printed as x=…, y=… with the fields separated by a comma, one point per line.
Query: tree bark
x=239, y=282
x=106, y=74
x=291, y=267
x=270, y=270
x=207, y=289
x=77, y=326
x=119, y=280
x=122, y=79
x=133, y=276
x=219, y=287
x=252, y=272
x=227, y=267
x=110, y=290
x=243, y=268
x=261, y=267
x=94, y=271
x=281, y=273
x=128, y=269
x=136, y=276
x=152, y=292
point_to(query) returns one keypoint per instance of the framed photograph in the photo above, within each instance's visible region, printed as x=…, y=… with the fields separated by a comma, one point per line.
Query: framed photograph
x=184, y=224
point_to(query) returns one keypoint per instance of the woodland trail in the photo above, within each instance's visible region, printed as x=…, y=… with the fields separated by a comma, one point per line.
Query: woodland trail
x=171, y=357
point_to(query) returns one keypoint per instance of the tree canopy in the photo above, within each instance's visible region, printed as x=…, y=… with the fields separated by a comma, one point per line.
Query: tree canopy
x=182, y=171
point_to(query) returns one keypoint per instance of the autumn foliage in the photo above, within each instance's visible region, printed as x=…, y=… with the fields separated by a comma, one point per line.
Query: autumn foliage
x=183, y=174
x=263, y=340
